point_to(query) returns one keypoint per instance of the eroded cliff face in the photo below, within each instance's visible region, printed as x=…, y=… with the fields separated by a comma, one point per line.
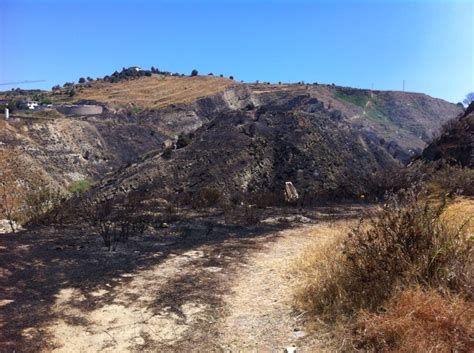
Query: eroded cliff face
x=324, y=138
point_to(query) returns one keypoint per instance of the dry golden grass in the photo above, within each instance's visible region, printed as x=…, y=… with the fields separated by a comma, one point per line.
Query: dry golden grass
x=153, y=92
x=461, y=211
x=398, y=248
x=315, y=270
x=418, y=321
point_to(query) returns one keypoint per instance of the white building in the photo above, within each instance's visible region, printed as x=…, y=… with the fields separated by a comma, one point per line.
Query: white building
x=32, y=105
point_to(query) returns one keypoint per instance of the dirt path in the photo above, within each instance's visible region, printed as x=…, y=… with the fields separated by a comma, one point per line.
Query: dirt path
x=202, y=285
x=190, y=303
x=260, y=316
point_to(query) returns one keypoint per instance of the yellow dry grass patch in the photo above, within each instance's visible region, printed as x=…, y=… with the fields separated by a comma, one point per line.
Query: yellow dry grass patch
x=461, y=211
x=320, y=261
x=321, y=274
x=154, y=92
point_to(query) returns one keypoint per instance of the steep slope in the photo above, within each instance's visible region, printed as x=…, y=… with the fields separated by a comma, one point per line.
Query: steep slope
x=456, y=142
x=255, y=151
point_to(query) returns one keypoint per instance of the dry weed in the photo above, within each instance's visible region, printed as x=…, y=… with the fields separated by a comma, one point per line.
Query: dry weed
x=418, y=321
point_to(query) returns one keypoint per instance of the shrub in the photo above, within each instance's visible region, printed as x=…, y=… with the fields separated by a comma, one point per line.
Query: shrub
x=168, y=151
x=80, y=186
x=115, y=220
x=183, y=141
x=82, y=80
x=418, y=321
x=98, y=213
x=42, y=204
x=194, y=73
x=206, y=197
x=406, y=242
x=452, y=179
x=46, y=100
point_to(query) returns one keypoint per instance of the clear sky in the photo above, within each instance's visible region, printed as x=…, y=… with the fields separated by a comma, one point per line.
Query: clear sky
x=429, y=44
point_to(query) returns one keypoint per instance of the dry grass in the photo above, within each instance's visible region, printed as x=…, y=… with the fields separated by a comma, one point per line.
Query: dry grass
x=153, y=92
x=405, y=243
x=461, y=211
x=359, y=283
x=316, y=271
x=418, y=321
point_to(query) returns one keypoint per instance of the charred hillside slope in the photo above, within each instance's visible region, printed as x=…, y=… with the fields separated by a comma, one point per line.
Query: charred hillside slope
x=327, y=135
x=254, y=150
x=456, y=143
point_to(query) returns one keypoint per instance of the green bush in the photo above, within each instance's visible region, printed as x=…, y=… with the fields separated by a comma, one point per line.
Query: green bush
x=80, y=186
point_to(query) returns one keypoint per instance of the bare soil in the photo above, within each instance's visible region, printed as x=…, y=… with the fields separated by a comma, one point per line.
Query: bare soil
x=199, y=285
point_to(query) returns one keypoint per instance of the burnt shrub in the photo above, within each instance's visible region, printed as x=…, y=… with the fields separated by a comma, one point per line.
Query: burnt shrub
x=207, y=197
x=167, y=152
x=43, y=204
x=265, y=199
x=452, y=179
x=183, y=140
x=115, y=220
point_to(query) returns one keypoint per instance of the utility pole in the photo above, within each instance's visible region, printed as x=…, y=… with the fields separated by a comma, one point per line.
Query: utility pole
x=403, y=85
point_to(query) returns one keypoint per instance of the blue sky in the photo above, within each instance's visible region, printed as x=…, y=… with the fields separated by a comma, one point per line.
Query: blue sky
x=429, y=44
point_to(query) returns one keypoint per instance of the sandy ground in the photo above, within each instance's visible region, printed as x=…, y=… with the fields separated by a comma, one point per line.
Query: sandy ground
x=229, y=292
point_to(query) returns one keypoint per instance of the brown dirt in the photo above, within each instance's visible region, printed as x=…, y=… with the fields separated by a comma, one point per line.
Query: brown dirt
x=200, y=285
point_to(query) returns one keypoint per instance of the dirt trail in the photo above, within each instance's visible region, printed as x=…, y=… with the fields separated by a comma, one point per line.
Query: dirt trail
x=260, y=317
x=212, y=298
x=200, y=285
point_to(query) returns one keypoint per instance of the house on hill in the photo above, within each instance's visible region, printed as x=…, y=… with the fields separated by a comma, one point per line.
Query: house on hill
x=31, y=105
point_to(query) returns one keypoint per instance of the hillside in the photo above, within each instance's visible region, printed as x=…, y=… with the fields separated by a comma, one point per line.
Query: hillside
x=456, y=143
x=336, y=136
x=153, y=92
